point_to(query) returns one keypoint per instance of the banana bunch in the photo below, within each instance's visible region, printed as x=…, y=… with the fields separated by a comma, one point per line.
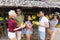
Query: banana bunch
x=36, y=23
x=50, y=16
x=38, y=15
x=33, y=17
x=22, y=24
x=1, y=18
x=47, y=16
x=58, y=25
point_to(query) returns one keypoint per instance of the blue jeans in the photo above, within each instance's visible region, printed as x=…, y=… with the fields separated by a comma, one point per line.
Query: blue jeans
x=25, y=31
x=53, y=29
x=41, y=35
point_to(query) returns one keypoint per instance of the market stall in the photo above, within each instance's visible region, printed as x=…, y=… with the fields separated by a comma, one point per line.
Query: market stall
x=28, y=8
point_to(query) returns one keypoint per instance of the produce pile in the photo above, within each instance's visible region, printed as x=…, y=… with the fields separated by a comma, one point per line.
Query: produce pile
x=34, y=19
x=35, y=22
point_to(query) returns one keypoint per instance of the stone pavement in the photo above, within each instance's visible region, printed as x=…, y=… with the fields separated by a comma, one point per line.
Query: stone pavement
x=57, y=36
x=35, y=35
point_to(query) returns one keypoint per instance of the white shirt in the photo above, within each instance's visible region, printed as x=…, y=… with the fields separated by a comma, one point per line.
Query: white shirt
x=42, y=22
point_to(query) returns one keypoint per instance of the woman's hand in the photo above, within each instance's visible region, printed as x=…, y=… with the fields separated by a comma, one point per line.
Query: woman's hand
x=29, y=26
x=52, y=25
x=22, y=26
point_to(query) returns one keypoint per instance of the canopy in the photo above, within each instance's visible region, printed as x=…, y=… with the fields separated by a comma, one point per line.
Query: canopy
x=45, y=4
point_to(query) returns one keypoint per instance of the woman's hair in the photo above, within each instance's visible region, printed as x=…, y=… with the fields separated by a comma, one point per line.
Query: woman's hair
x=27, y=17
x=55, y=15
x=12, y=13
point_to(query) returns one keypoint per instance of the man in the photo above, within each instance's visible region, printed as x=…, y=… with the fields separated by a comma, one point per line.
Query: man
x=20, y=20
x=43, y=25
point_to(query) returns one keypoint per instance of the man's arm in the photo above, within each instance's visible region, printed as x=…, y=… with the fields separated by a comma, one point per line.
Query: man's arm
x=46, y=24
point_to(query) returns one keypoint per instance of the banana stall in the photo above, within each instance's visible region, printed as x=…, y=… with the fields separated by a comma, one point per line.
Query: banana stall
x=28, y=8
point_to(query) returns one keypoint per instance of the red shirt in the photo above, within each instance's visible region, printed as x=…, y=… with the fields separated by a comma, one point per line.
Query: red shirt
x=12, y=24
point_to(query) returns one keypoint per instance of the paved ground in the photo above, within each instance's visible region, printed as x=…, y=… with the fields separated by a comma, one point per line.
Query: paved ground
x=57, y=36
x=35, y=35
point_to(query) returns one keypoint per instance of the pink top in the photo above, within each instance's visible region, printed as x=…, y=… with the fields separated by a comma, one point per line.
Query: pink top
x=12, y=24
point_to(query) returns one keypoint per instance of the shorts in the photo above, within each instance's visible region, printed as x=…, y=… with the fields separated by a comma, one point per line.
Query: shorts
x=41, y=35
x=53, y=29
x=11, y=35
x=25, y=31
x=29, y=32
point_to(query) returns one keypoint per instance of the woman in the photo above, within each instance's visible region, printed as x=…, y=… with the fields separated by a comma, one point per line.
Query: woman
x=28, y=30
x=12, y=25
x=53, y=25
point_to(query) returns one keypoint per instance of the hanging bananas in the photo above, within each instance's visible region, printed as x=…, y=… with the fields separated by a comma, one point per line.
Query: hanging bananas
x=36, y=23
